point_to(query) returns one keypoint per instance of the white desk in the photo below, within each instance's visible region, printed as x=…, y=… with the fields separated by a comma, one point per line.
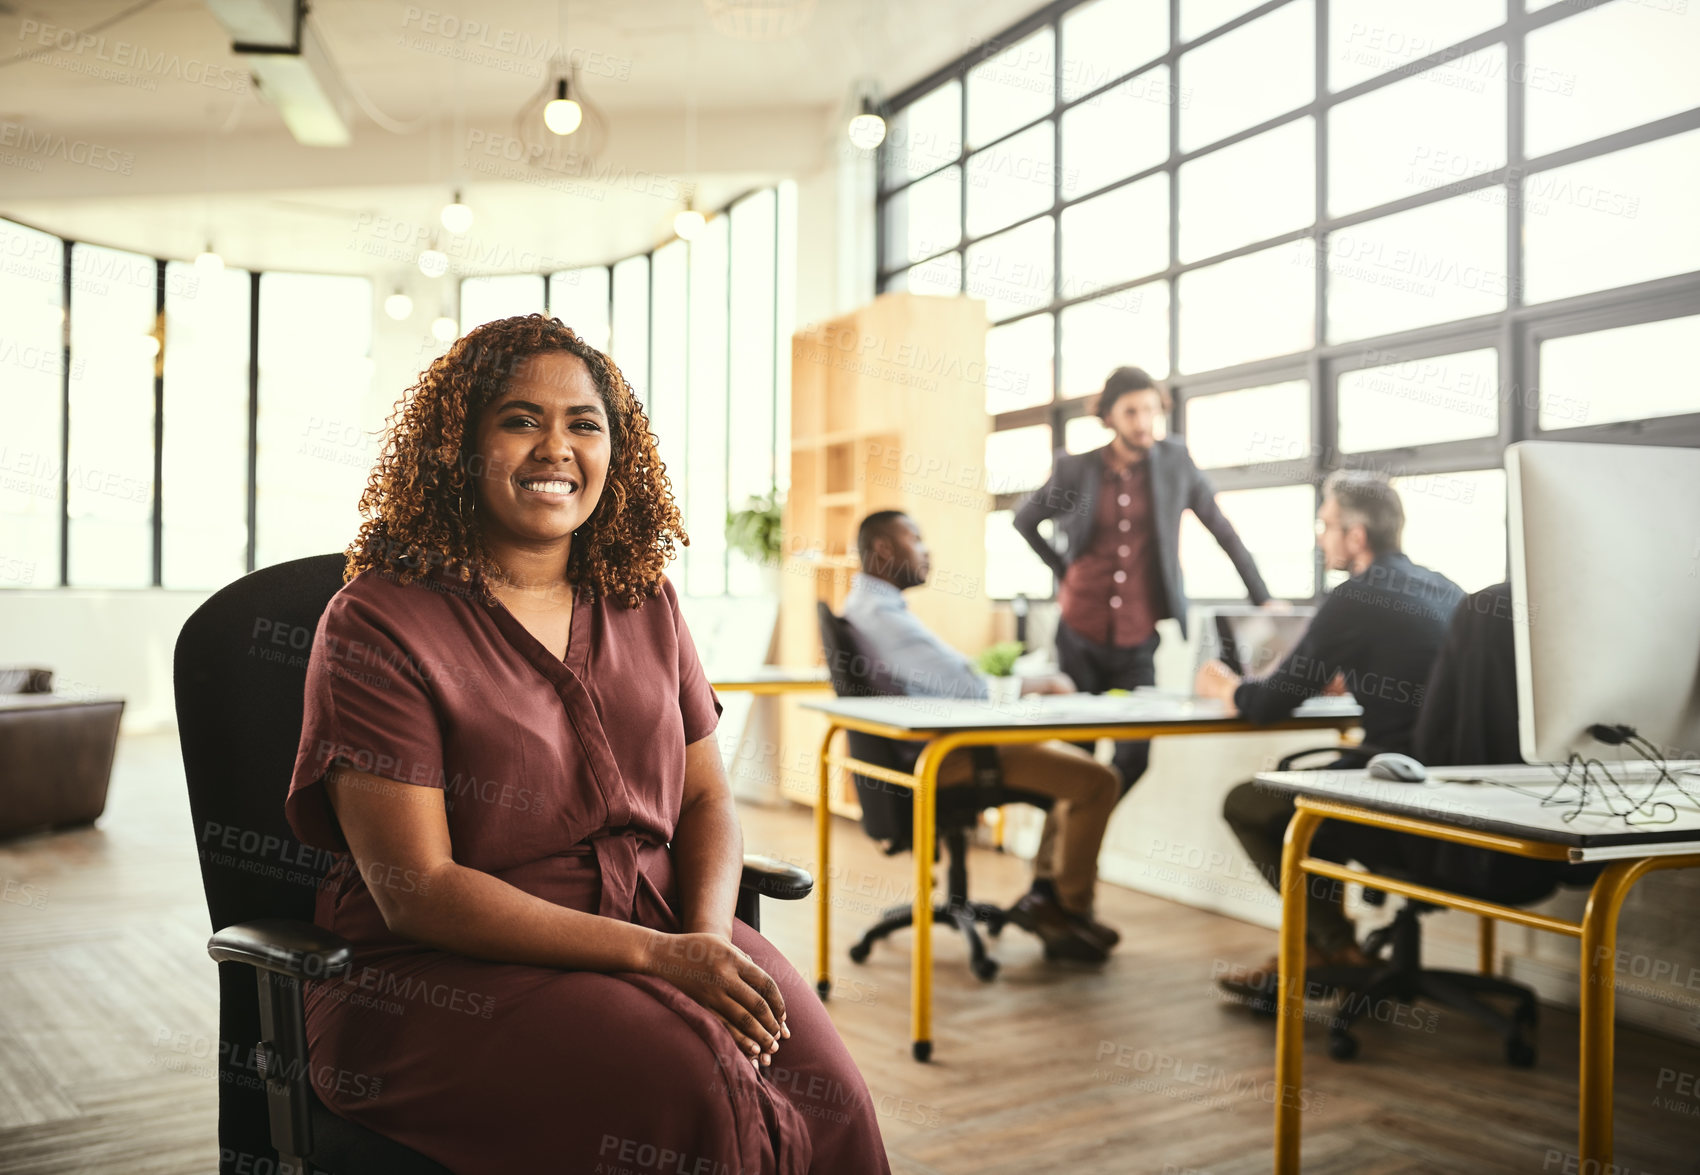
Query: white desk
x=943, y=724
x=1593, y=835
x=1489, y=817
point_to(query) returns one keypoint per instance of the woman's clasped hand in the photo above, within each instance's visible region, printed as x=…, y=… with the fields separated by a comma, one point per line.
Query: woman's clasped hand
x=716, y=974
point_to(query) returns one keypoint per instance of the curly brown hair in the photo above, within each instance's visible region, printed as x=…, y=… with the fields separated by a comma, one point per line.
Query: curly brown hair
x=419, y=500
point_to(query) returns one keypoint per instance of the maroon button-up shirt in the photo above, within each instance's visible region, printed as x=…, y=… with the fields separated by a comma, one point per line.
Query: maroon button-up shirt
x=1113, y=592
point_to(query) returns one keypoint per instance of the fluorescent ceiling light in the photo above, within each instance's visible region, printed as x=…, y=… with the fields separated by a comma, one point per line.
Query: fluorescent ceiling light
x=291, y=66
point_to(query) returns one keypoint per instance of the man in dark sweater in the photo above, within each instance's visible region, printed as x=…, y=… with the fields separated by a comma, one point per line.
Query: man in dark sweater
x=1376, y=637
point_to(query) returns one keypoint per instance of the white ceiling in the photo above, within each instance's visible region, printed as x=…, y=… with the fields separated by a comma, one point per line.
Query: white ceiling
x=435, y=71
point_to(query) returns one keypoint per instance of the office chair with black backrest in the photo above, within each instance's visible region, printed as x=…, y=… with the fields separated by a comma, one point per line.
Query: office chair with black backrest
x=240, y=676
x=1468, y=716
x=888, y=812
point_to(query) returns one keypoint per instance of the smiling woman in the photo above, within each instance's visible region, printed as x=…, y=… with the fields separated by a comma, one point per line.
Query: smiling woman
x=445, y=452
x=507, y=741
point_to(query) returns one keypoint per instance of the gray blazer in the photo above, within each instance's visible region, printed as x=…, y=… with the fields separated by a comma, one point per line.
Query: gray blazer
x=1071, y=498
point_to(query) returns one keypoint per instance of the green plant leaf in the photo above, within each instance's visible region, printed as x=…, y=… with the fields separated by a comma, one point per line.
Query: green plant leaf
x=757, y=531
x=999, y=659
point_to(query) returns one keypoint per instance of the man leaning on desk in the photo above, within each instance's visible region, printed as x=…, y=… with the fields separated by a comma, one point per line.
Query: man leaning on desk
x=908, y=658
x=1118, y=513
x=1377, y=635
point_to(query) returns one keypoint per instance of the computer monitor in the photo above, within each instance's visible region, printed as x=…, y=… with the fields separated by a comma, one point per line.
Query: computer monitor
x=1605, y=589
x=1251, y=641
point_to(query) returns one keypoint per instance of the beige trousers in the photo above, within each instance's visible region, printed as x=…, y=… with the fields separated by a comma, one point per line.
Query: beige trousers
x=1085, y=791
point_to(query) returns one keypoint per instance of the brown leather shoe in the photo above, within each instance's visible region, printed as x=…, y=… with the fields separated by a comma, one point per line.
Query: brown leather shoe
x=1063, y=937
x=1259, y=986
x=1105, y=936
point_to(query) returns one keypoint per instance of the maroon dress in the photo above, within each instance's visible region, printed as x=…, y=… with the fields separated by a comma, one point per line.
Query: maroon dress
x=564, y=779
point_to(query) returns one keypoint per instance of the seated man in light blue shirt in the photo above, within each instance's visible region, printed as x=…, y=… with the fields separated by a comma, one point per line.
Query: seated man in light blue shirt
x=906, y=657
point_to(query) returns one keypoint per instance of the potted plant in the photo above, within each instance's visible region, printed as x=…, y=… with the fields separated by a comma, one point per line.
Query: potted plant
x=998, y=663
x=756, y=531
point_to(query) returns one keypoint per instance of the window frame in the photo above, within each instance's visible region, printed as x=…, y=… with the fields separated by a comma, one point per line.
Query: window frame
x=1515, y=331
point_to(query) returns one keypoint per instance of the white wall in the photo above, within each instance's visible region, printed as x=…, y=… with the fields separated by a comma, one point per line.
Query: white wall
x=102, y=643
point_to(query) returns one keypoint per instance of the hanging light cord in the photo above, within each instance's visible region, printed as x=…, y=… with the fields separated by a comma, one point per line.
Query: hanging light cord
x=99, y=27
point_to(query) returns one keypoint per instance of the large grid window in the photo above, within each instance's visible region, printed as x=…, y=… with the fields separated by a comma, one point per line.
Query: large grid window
x=166, y=428
x=485, y=299
x=205, y=449
x=163, y=431
x=318, y=431
x=109, y=473
x=1365, y=233
x=32, y=306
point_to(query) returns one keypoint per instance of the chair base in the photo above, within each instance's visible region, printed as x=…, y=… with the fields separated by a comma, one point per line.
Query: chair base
x=1403, y=979
x=1460, y=991
x=965, y=915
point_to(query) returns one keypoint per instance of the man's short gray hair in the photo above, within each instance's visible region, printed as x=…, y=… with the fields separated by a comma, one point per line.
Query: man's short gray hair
x=1367, y=498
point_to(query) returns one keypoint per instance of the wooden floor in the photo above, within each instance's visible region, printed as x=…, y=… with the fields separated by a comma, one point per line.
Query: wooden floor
x=1136, y=1067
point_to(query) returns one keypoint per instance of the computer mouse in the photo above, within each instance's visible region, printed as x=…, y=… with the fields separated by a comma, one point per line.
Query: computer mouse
x=1398, y=768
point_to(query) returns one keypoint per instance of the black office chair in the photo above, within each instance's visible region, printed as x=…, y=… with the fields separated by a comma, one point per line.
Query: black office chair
x=240, y=676
x=1469, y=715
x=888, y=812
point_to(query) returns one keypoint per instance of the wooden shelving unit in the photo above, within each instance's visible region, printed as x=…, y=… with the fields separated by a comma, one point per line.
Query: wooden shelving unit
x=887, y=412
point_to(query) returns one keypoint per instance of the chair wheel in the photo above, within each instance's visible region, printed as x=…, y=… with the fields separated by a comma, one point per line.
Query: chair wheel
x=823, y=987
x=1519, y=1053
x=922, y=1050
x=995, y=924
x=859, y=953
x=986, y=969
x=1342, y=1046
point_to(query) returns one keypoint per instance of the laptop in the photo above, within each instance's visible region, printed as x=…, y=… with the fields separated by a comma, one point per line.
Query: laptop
x=1250, y=641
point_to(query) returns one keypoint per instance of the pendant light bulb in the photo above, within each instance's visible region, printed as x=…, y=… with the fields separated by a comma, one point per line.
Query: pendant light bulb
x=456, y=216
x=209, y=263
x=688, y=224
x=398, y=306
x=867, y=129
x=562, y=115
x=433, y=263
x=444, y=329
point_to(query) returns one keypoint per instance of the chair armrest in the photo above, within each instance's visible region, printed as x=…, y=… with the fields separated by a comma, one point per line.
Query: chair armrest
x=1351, y=755
x=283, y=953
x=282, y=946
x=772, y=878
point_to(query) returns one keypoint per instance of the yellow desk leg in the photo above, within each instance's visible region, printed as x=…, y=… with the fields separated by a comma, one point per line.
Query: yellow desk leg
x=1485, y=946
x=921, y=962
x=1599, y=990
x=1599, y=977
x=823, y=876
x=1290, y=1022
